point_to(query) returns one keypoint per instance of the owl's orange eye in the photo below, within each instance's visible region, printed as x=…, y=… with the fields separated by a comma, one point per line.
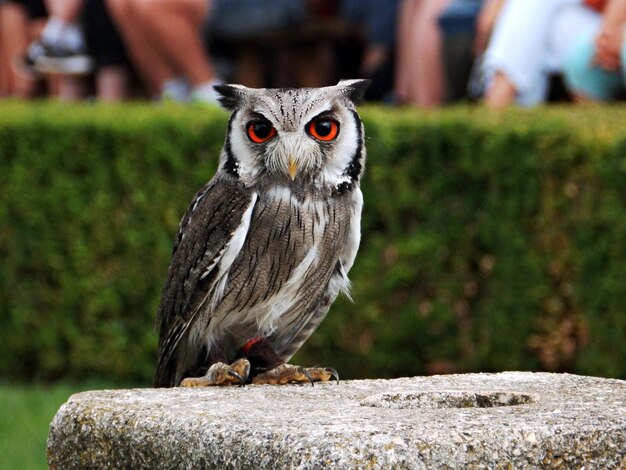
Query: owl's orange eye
x=323, y=128
x=260, y=131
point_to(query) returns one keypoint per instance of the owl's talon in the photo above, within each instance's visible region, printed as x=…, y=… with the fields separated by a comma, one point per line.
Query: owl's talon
x=305, y=372
x=221, y=374
x=333, y=373
x=234, y=374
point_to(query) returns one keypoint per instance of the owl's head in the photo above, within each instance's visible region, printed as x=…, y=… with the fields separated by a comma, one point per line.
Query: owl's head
x=294, y=136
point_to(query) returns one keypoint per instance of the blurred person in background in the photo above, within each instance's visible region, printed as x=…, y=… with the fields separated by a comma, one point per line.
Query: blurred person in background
x=529, y=42
x=596, y=68
x=167, y=39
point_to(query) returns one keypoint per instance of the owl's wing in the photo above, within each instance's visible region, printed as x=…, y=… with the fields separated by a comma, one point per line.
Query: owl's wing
x=207, y=227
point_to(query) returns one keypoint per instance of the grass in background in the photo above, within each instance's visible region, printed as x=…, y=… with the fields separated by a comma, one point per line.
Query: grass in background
x=25, y=416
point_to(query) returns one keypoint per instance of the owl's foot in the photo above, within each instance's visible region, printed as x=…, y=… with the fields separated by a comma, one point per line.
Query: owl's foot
x=221, y=374
x=288, y=373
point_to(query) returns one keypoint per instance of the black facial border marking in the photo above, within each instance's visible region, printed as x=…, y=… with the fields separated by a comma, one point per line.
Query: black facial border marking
x=355, y=166
x=231, y=165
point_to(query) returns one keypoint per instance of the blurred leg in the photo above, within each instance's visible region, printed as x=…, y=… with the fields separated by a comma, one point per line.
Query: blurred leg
x=5, y=76
x=112, y=83
x=428, y=87
x=501, y=91
x=70, y=88
x=174, y=28
x=404, y=63
x=14, y=39
x=66, y=10
x=150, y=63
x=421, y=80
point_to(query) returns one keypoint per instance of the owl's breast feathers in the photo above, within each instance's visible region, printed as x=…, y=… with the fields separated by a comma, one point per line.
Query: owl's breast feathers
x=253, y=262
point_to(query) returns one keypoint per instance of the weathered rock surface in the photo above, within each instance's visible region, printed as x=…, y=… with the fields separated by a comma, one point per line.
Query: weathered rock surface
x=507, y=420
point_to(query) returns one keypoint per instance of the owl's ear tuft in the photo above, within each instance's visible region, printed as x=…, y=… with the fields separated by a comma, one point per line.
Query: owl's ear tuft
x=230, y=96
x=354, y=89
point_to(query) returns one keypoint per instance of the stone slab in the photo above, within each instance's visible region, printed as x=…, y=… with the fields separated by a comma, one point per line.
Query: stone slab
x=505, y=420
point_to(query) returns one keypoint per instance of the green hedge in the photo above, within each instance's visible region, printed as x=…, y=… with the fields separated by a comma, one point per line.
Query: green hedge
x=490, y=241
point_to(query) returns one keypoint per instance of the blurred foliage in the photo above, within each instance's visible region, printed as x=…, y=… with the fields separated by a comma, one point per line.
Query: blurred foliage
x=25, y=417
x=491, y=241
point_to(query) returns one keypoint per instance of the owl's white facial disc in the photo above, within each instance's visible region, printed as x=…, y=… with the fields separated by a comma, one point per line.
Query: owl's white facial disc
x=273, y=133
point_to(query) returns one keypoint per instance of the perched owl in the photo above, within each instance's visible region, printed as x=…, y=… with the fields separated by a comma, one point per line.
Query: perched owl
x=266, y=245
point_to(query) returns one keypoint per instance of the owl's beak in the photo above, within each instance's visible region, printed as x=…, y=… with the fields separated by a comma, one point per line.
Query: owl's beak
x=293, y=168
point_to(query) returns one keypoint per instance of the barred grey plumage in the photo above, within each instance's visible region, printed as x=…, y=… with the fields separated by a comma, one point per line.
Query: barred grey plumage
x=265, y=247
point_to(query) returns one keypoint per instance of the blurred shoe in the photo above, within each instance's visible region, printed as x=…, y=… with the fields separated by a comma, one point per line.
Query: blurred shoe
x=46, y=58
x=175, y=89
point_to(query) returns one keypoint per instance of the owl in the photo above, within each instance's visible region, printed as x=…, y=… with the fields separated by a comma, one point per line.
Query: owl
x=266, y=245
